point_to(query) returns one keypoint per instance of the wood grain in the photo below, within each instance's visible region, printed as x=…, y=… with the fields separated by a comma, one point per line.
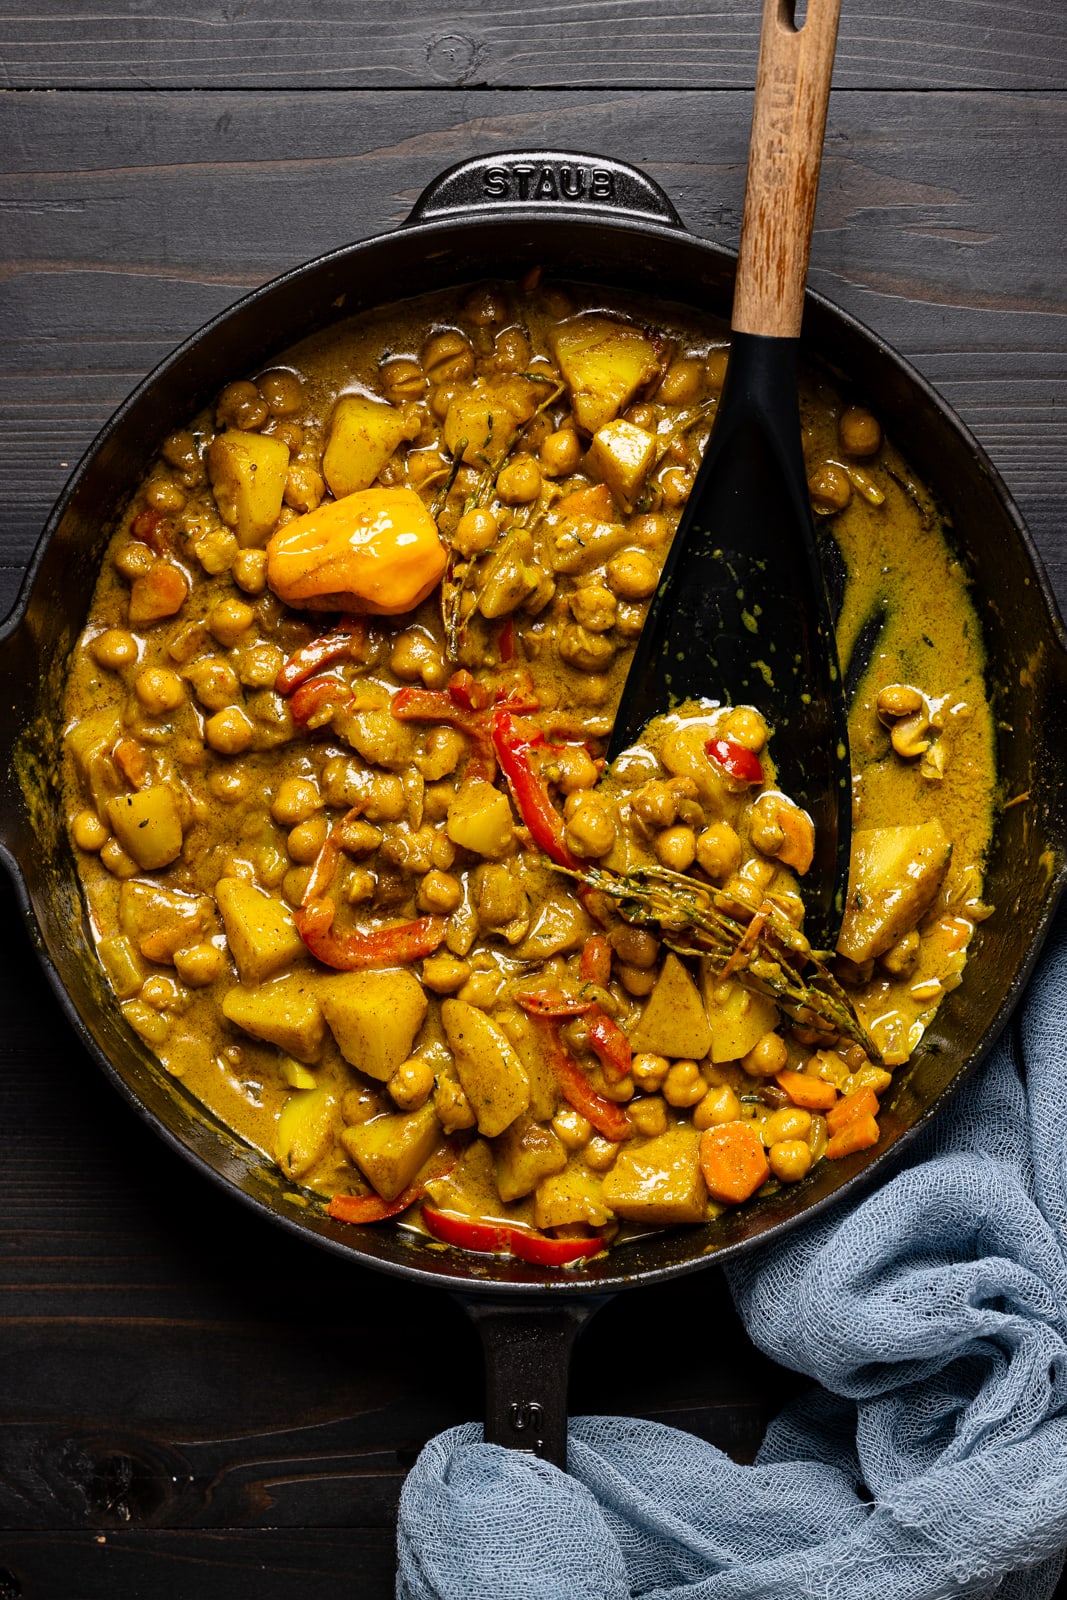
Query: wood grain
x=274, y=44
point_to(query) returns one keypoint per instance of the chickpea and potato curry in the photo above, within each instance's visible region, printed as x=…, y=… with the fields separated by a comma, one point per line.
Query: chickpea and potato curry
x=354, y=866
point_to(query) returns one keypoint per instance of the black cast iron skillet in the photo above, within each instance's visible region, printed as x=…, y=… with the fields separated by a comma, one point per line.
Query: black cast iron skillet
x=601, y=222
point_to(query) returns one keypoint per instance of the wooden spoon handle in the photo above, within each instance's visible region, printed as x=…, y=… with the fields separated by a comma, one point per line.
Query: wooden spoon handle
x=785, y=153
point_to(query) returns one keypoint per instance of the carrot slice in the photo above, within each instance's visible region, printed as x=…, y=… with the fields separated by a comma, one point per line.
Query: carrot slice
x=859, y=1134
x=804, y=1090
x=733, y=1161
x=860, y=1103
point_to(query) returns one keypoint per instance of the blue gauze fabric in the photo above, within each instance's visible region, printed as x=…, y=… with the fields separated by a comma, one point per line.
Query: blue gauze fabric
x=932, y=1461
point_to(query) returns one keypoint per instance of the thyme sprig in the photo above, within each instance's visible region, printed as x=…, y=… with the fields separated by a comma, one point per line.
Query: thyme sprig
x=767, y=954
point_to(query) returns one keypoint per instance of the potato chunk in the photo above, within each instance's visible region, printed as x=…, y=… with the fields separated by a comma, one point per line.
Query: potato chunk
x=605, y=362
x=389, y=1150
x=621, y=455
x=260, y=930
x=493, y=1078
x=148, y=826
x=570, y=1197
x=303, y=1130
x=285, y=1013
x=482, y=422
x=895, y=876
x=162, y=921
x=374, y=1016
x=363, y=435
x=248, y=473
x=660, y=1182
x=673, y=1022
x=479, y=819
x=523, y=1155
x=738, y=1018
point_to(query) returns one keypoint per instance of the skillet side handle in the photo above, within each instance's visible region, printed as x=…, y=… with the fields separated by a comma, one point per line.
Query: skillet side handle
x=527, y=1349
x=541, y=183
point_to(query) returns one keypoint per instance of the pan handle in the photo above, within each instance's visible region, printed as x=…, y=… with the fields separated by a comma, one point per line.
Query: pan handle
x=544, y=183
x=527, y=1349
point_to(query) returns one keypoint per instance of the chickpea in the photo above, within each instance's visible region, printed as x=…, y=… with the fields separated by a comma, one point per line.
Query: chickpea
x=453, y=1109
x=898, y=700
x=632, y=576
x=590, y=828
x=179, y=450
x=746, y=727
x=675, y=484
x=358, y=1106
x=719, y=850
x=241, y=406
x=651, y=530
x=200, y=965
x=440, y=399
x=715, y=366
x=571, y=1128
x=229, y=731
x=676, y=848
x=439, y=892
x=384, y=799
x=600, y=1154
x=249, y=571
x=481, y=989
x=649, y=1071
x=117, y=862
x=511, y=350
x=412, y=1083
x=229, y=621
x=442, y=852
x=684, y=1085
x=593, y=607
x=214, y=683
x=444, y=974
x=163, y=993
x=361, y=885
x=414, y=655
x=282, y=391
x=859, y=431
x=88, y=832
x=159, y=690
x=588, y=652
x=830, y=489
x=161, y=494
x=307, y=839
x=767, y=1056
x=656, y=803
x=476, y=531
x=258, y=666
x=443, y=749
x=133, y=560
x=560, y=453
x=635, y=946
x=229, y=785
x=643, y=415
x=790, y=1122
x=290, y=433
x=114, y=648
x=402, y=380
x=572, y=769
x=719, y=1105
x=621, y=1090
x=519, y=482
x=649, y=1115
x=447, y=357
x=637, y=981
x=484, y=305
x=765, y=831
x=790, y=1160
x=304, y=486
x=682, y=382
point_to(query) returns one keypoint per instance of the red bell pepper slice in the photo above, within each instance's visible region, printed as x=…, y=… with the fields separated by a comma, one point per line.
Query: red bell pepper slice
x=468, y=693
x=345, y=642
x=609, y=1119
x=554, y=1003
x=595, y=964
x=360, y=948
x=611, y=1045
x=506, y=641
x=371, y=1207
x=734, y=758
x=501, y=1238
x=317, y=699
x=546, y=826
x=152, y=529
x=437, y=705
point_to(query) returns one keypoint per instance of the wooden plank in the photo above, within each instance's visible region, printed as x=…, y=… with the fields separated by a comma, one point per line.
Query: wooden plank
x=132, y=218
x=278, y=44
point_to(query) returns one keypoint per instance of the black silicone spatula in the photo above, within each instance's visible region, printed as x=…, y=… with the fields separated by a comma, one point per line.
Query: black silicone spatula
x=741, y=614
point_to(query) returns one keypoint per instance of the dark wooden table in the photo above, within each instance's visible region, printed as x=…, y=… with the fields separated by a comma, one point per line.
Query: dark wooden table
x=192, y=1404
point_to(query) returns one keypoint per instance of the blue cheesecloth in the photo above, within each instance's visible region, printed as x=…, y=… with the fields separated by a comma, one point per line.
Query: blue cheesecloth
x=932, y=1461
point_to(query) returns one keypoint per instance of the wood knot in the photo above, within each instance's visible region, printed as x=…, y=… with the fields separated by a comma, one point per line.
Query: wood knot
x=453, y=57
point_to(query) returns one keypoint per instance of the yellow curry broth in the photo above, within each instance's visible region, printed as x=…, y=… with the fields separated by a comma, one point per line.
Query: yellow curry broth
x=494, y=408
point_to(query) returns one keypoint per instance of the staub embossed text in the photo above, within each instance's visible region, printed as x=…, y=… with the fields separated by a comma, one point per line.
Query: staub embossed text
x=523, y=180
